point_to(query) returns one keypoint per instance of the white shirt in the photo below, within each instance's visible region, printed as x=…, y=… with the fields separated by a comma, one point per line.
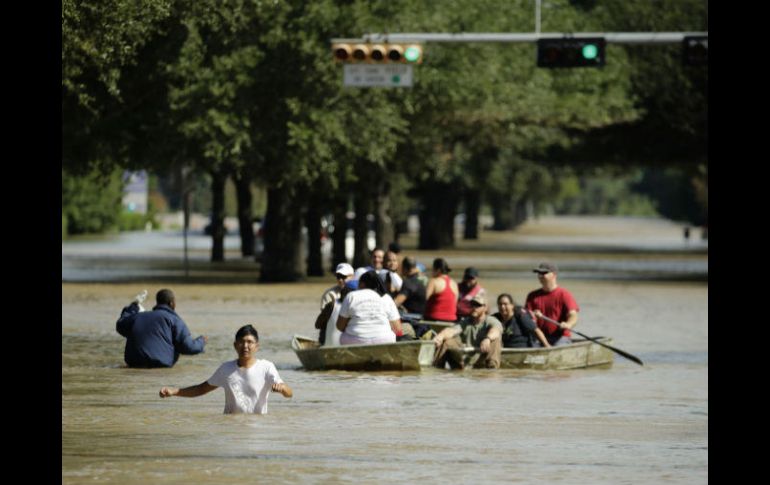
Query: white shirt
x=395, y=280
x=332, y=334
x=369, y=314
x=246, y=390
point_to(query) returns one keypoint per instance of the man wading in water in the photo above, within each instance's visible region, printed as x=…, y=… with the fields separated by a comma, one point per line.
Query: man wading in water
x=247, y=380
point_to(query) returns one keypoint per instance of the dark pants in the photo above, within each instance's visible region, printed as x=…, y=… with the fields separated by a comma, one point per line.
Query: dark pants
x=451, y=351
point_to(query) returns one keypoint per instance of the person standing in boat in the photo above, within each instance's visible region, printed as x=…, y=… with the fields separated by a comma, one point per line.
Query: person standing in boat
x=468, y=288
x=441, y=294
x=368, y=315
x=519, y=329
x=156, y=338
x=247, y=380
x=555, y=303
x=478, y=330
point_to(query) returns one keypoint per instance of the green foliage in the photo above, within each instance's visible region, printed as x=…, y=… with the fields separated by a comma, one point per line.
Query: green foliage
x=91, y=203
x=101, y=41
x=674, y=192
x=606, y=194
x=130, y=221
x=249, y=87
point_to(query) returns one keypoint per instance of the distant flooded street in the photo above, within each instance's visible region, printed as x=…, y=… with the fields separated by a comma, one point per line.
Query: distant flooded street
x=635, y=281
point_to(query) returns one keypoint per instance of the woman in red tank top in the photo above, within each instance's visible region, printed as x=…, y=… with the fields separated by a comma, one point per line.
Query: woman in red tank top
x=441, y=294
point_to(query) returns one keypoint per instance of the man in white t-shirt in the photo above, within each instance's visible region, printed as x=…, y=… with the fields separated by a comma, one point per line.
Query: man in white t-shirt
x=247, y=381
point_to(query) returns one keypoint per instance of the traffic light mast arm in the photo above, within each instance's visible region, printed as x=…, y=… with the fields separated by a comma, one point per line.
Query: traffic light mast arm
x=609, y=37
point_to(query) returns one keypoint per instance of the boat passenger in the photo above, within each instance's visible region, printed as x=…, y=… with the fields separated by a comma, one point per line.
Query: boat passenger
x=411, y=297
x=368, y=315
x=389, y=274
x=554, y=302
x=478, y=330
x=468, y=288
x=326, y=322
x=343, y=273
x=441, y=294
x=519, y=328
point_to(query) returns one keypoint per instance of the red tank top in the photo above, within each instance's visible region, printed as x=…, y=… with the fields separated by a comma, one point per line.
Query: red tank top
x=442, y=306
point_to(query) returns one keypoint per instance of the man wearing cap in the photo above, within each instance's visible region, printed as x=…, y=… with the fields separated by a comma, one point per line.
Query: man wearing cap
x=326, y=321
x=478, y=330
x=469, y=288
x=554, y=302
x=343, y=273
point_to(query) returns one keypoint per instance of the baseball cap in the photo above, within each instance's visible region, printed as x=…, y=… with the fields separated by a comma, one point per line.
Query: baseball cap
x=546, y=267
x=344, y=269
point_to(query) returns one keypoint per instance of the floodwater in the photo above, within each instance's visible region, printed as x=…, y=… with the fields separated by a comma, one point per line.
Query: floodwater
x=624, y=424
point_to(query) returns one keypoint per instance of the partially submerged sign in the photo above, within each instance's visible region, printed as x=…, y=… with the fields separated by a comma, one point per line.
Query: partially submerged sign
x=378, y=75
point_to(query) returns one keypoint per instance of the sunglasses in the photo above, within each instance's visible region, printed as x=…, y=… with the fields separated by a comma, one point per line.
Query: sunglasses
x=340, y=276
x=543, y=272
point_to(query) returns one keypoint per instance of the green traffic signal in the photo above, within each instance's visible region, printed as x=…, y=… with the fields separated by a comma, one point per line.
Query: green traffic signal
x=570, y=52
x=590, y=51
x=412, y=54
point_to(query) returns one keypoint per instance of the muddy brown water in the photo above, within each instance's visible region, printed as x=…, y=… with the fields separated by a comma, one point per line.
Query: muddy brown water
x=624, y=424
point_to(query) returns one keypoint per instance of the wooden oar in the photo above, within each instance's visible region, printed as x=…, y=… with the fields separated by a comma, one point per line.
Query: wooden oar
x=621, y=352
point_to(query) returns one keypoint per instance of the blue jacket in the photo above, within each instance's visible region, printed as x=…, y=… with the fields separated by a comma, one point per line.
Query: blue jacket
x=155, y=338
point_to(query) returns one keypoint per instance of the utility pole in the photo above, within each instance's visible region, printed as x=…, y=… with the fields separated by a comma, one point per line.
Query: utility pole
x=466, y=37
x=186, y=202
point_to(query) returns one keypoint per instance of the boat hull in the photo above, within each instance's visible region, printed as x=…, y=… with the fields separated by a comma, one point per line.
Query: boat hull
x=416, y=354
x=579, y=354
x=408, y=355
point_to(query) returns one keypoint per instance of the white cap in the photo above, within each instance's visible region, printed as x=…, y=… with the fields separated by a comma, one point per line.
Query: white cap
x=344, y=268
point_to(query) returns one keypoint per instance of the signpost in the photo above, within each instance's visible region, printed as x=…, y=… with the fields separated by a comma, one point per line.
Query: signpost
x=378, y=75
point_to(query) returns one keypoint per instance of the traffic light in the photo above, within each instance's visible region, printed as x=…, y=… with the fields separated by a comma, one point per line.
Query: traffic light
x=586, y=52
x=695, y=50
x=377, y=53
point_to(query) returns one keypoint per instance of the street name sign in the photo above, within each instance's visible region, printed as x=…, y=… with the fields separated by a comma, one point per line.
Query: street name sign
x=378, y=75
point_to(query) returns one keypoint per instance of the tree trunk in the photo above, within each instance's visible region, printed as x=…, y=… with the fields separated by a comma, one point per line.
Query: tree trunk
x=339, y=235
x=437, y=211
x=472, y=206
x=502, y=211
x=281, y=260
x=313, y=224
x=245, y=217
x=400, y=227
x=361, y=255
x=218, y=180
x=383, y=222
x=521, y=212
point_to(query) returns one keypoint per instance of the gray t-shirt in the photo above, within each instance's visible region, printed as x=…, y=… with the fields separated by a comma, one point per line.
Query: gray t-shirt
x=471, y=333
